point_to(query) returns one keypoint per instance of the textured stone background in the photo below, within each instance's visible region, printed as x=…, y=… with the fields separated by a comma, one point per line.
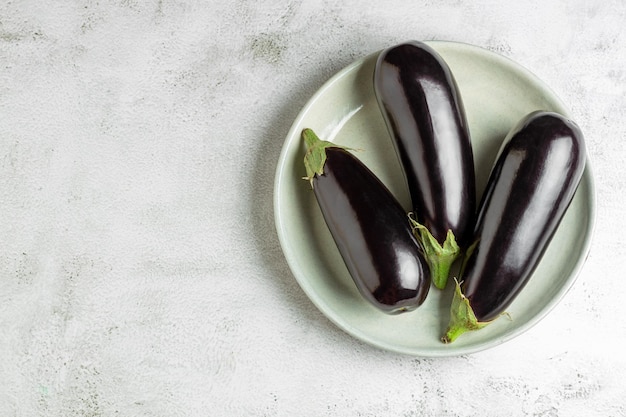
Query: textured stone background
x=140, y=272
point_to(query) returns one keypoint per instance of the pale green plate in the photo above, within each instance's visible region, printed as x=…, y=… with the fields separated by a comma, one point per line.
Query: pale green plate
x=496, y=93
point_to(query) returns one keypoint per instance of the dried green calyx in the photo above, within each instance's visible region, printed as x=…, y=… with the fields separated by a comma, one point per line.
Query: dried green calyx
x=462, y=317
x=315, y=156
x=439, y=257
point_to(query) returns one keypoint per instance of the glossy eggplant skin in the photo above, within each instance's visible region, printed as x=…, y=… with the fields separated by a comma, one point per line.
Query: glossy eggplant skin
x=528, y=192
x=372, y=232
x=424, y=114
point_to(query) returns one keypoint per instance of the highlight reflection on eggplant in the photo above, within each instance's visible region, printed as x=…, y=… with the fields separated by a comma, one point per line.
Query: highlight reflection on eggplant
x=369, y=227
x=528, y=192
x=424, y=113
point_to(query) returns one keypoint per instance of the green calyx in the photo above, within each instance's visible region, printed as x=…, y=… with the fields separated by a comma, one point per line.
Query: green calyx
x=315, y=156
x=462, y=317
x=439, y=257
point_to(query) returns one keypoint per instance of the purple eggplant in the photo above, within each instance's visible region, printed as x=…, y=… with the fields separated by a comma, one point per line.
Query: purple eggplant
x=369, y=226
x=529, y=189
x=425, y=117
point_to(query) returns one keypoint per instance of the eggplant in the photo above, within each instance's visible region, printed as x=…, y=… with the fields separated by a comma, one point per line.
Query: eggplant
x=369, y=227
x=530, y=187
x=424, y=114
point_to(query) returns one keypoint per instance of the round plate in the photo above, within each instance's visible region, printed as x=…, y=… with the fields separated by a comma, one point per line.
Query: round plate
x=496, y=93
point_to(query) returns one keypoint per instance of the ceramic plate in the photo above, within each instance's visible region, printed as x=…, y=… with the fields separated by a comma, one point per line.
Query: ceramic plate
x=496, y=93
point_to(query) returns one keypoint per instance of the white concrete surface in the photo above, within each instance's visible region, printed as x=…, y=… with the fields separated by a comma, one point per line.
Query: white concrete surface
x=140, y=272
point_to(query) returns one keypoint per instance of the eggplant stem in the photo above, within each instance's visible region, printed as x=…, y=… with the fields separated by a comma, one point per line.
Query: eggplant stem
x=315, y=156
x=462, y=317
x=439, y=257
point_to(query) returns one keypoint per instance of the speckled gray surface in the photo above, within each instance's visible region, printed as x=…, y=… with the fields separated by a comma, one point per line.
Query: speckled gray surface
x=140, y=271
